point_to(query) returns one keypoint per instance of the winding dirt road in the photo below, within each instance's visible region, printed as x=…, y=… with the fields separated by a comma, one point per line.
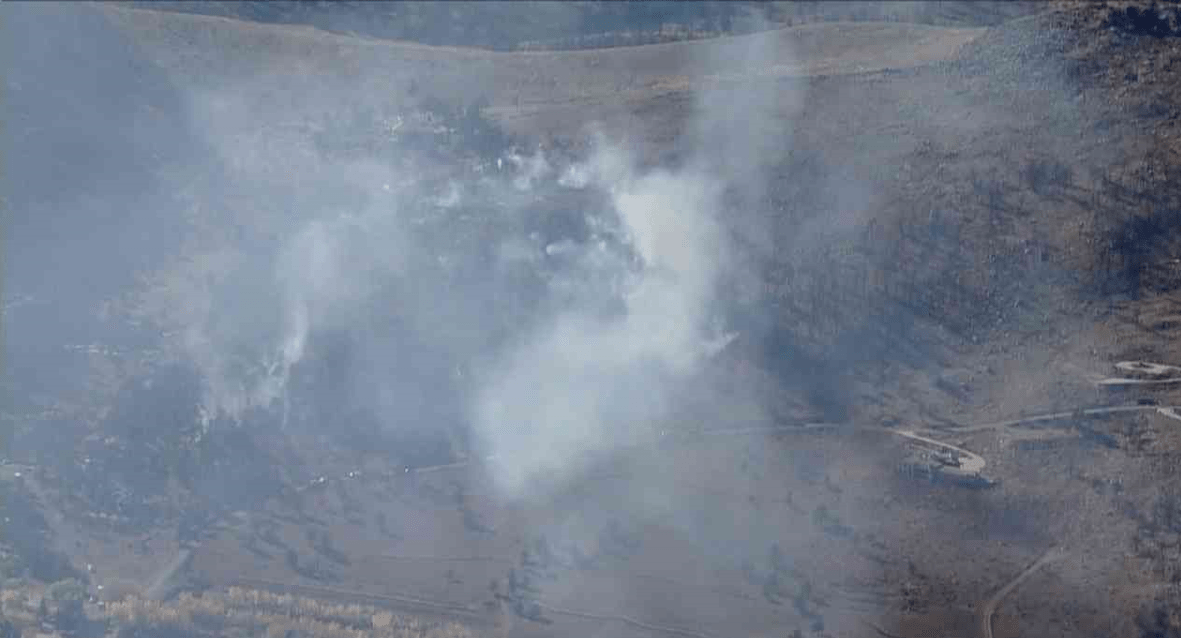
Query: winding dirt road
x=989, y=608
x=970, y=463
x=1172, y=374
x=1058, y=416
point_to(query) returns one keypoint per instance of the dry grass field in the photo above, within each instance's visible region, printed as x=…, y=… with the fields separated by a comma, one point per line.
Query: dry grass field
x=959, y=233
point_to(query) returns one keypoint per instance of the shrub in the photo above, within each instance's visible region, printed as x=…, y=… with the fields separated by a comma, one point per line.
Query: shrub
x=11, y=565
x=1152, y=21
x=1044, y=175
x=1159, y=621
x=1166, y=512
x=66, y=598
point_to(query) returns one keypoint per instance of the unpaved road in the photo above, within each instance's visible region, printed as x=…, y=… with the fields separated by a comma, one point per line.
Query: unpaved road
x=627, y=620
x=970, y=462
x=1166, y=410
x=1119, y=381
x=1173, y=374
x=161, y=585
x=989, y=608
x=1166, y=374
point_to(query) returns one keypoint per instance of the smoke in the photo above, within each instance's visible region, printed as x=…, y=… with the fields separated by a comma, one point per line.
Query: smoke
x=586, y=384
x=332, y=258
x=530, y=170
x=554, y=312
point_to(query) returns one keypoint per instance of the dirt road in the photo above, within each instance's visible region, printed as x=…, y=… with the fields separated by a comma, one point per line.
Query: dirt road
x=160, y=586
x=1057, y=416
x=989, y=608
x=970, y=462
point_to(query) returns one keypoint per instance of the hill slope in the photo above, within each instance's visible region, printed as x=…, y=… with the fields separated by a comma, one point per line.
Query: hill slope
x=926, y=227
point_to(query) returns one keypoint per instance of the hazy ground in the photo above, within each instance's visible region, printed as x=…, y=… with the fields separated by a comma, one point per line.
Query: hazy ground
x=530, y=341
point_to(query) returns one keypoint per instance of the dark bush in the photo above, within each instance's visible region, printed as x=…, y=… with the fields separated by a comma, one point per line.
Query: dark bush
x=1133, y=247
x=1166, y=512
x=1154, y=20
x=1043, y=176
x=1161, y=620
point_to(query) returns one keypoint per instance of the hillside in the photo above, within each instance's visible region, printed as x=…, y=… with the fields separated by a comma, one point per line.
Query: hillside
x=844, y=328
x=582, y=25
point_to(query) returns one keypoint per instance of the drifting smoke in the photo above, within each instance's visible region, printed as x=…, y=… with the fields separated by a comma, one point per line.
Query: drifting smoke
x=584, y=384
x=580, y=328
x=530, y=170
x=545, y=313
x=587, y=383
x=308, y=265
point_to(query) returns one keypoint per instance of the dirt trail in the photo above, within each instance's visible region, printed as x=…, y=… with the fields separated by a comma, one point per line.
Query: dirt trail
x=160, y=586
x=970, y=462
x=1172, y=374
x=1141, y=367
x=1146, y=367
x=627, y=620
x=1057, y=416
x=1169, y=412
x=989, y=608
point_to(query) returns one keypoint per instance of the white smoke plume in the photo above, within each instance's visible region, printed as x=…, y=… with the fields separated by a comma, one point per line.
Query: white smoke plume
x=430, y=286
x=586, y=384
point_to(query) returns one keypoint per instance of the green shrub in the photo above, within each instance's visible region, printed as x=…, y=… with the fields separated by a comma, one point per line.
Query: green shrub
x=66, y=598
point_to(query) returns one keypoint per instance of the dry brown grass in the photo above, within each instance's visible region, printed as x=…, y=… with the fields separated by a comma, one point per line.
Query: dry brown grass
x=18, y=604
x=263, y=613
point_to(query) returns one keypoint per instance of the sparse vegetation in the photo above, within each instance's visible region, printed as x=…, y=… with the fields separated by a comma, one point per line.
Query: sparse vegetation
x=1166, y=512
x=1160, y=619
x=1045, y=175
x=438, y=127
x=25, y=549
x=1136, y=223
x=248, y=612
x=983, y=246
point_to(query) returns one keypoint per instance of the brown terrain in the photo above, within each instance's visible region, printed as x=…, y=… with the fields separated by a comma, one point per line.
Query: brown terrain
x=1006, y=201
